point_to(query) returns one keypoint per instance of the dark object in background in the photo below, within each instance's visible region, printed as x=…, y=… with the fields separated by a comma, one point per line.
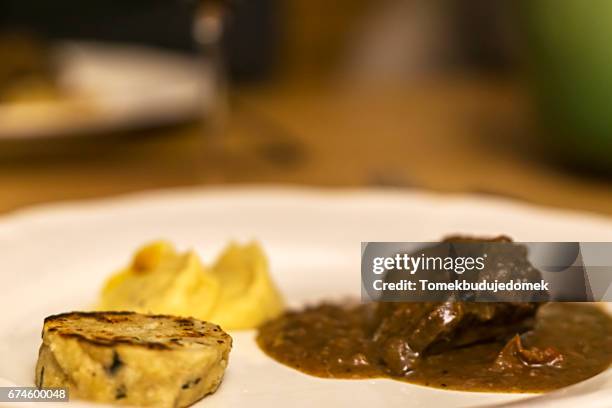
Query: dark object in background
x=486, y=35
x=152, y=22
x=250, y=40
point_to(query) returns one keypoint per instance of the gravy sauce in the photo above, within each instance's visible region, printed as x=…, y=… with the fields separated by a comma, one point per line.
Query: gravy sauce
x=332, y=341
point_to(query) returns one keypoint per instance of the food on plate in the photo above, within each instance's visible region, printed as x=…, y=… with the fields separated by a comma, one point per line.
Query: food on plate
x=236, y=292
x=160, y=280
x=405, y=332
x=133, y=359
x=568, y=343
x=247, y=295
x=473, y=346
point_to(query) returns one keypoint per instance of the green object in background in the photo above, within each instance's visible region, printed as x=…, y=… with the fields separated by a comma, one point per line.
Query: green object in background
x=570, y=49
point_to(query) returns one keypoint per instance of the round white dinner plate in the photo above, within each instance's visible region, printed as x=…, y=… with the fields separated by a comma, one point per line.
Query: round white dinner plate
x=56, y=257
x=113, y=87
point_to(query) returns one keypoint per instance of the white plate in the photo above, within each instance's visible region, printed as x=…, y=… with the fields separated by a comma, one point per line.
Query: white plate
x=112, y=87
x=55, y=258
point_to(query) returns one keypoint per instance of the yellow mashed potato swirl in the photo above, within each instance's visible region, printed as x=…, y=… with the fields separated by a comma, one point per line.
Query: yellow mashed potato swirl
x=236, y=292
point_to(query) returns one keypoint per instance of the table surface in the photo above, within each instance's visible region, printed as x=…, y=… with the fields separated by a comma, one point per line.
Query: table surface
x=447, y=136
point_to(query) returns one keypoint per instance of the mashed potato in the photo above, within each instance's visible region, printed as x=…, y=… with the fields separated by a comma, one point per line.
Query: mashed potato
x=235, y=293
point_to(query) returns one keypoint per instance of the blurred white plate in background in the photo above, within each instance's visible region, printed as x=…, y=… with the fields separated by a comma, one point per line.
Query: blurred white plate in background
x=55, y=258
x=112, y=87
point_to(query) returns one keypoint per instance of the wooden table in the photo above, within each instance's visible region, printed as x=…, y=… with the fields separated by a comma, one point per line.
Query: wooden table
x=449, y=136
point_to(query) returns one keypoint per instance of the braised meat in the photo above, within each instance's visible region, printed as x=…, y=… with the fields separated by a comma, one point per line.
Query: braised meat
x=407, y=330
x=516, y=356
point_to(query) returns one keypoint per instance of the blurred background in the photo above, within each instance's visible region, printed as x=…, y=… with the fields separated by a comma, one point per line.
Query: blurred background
x=508, y=98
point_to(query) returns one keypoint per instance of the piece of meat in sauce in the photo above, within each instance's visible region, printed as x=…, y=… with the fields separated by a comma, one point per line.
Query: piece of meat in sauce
x=405, y=332
x=515, y=355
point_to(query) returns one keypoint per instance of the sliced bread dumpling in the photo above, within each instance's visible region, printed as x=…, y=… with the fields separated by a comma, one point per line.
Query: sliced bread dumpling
x=133, y=359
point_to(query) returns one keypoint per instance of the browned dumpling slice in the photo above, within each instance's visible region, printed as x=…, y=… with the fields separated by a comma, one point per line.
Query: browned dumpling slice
x=133, y=359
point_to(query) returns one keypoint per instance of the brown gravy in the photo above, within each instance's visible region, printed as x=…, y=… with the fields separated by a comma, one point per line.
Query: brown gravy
x=334, y=342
